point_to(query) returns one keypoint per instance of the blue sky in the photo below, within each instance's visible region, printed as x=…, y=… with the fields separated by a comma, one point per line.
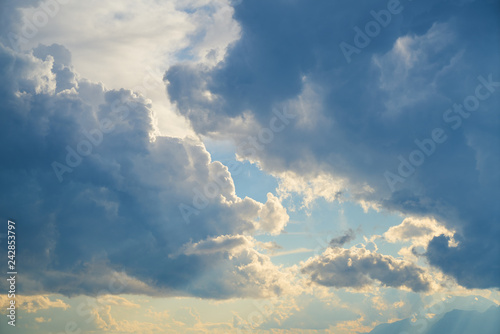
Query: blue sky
x=218, y=166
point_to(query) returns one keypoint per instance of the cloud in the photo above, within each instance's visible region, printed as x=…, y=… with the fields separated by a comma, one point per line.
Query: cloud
x=222, y=243
x=240, y=269
x=33, y=304
x=348, y=236
x=273, y=216
x=269, y=247
x=415, y=228
x=419, y=232
x=293, y=251
x=359, y=267
x=354, y=122
x=351, y=326
x=101, y=200
x=144, y=37
x=311, y=187
x=116, y=300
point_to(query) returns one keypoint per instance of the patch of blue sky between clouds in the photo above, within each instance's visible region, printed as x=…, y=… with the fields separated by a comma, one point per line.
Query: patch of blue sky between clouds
x=249, y=179
x=315, y=230
x=307, y=233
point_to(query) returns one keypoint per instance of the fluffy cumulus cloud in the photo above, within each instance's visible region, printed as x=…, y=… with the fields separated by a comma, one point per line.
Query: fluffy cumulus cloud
x=419, y=231
x=253, y=269
x=405, y=119
x=359, y=267
x=126, y=44
x=102, y=202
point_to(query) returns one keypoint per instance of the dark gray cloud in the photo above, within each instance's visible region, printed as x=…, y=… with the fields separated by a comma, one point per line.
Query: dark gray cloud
x=358, y=267
x=340, y=241
x=96, y=197
x=358, y=120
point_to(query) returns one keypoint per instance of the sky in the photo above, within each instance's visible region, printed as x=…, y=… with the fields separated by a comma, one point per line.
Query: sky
x=250, y=166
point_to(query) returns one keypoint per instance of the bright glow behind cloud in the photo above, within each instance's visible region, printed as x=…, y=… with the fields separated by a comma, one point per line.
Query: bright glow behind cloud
x=130, y=44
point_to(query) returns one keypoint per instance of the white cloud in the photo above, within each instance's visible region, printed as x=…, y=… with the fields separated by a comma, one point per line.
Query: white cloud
x=130, y=44
x=417, y=230
x=311, y=187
